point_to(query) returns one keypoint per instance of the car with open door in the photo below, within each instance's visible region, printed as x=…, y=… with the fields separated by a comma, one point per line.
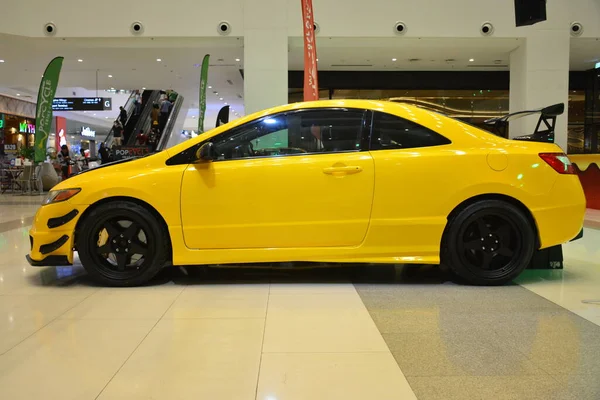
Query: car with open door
x=366, y=182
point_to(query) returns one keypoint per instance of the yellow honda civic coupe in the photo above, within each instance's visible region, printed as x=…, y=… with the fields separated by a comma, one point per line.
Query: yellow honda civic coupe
x=348, y=181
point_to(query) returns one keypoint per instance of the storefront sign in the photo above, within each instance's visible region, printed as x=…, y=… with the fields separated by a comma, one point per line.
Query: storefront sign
x=24, y=127
x=121, y=152
x=88, y=133
x=1, y=121
x=82, y=104
x=10, y=148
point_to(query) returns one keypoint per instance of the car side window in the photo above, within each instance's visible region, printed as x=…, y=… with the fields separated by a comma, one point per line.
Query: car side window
x=393, y=132
x=295, y=132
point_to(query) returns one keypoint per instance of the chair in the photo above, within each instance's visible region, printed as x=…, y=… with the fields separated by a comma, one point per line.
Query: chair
x=25, y=179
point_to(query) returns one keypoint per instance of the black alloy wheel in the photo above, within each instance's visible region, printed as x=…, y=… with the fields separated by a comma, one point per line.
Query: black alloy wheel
x=122, y=244
x=488, y=243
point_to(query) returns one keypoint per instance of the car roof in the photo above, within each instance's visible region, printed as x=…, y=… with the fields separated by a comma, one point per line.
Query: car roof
x=453, y=129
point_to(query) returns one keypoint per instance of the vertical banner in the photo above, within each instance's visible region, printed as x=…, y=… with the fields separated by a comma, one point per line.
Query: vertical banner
x=311, y=85
x=43, y=110
x=203, y=84
x=223, y=116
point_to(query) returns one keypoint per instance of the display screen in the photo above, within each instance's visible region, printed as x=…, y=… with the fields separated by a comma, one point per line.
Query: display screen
x=82, y=104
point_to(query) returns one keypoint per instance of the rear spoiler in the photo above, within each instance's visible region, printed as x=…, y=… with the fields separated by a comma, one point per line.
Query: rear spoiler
x=541, y=134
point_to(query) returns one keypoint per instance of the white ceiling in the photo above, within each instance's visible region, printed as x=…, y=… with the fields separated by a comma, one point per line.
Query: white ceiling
x=133, y=64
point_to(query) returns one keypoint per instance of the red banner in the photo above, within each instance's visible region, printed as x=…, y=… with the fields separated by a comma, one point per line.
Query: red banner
x=311, y=85
x=61, y=132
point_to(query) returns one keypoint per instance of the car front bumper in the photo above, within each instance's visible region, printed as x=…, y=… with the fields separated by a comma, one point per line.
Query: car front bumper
x=52, y=234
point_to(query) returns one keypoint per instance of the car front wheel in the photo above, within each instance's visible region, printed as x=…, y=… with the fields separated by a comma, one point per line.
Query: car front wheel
x=489, y=242
x=122, y=244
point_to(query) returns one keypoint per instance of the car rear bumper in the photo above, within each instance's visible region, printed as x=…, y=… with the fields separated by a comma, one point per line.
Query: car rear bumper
x=562, y=219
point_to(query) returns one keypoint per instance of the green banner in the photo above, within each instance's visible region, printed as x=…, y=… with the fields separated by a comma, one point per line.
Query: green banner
x=203, y=84
x=43, y=110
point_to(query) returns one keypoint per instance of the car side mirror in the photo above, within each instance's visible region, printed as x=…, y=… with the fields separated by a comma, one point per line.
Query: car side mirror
x=206, y=152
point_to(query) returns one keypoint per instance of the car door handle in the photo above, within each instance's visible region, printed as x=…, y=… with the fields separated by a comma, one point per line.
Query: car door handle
x=347, y=170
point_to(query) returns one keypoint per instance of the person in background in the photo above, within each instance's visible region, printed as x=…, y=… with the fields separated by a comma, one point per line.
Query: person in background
x=141, y=138
x=165, y=107
x=64, y=157
x=103, y=151
x=122, y=116
x=118, y=133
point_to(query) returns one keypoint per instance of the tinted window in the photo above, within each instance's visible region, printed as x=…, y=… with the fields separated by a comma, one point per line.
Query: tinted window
x=297, y=132
x=392, y=132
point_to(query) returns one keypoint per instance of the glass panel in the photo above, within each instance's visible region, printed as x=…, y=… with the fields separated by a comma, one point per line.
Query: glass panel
x=392, y=132
x=307, y=131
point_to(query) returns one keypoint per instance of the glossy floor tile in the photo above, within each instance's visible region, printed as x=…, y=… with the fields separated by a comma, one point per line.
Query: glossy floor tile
x=316, y=376
x=295, y=331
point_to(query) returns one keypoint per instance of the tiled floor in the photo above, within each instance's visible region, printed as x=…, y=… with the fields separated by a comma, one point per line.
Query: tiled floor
x=331, y=333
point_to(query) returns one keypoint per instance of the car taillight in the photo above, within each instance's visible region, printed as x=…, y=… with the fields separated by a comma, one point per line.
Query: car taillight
x=559, y=161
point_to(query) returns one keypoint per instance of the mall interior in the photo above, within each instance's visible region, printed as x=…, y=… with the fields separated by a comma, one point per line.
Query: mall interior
x=293, y=329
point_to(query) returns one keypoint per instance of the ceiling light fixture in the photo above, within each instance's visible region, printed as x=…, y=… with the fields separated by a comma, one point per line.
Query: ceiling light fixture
x=394, y=59
x=18, y=94
x=143, y=88
x=110, y=76
x=220, y=98
x=317, y=59
x=158, y=59
x=225, y=103
x=80, y=60
x=1, y=61
x=237, y=59
x=471, y=59
x=210, y=87
x=94, y=115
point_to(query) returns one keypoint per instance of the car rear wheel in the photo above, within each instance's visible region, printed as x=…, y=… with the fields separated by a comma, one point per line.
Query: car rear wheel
x=122, y=244
x=488, y=243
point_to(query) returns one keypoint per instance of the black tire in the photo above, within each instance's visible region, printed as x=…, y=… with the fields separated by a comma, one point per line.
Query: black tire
x=489, y=242
x=116, y=253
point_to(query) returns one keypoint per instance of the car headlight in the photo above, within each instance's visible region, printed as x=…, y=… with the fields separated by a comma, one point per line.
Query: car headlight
x=56, y=196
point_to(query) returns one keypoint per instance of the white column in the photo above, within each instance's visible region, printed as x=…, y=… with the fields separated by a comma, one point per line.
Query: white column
x=265, y=54
x=539, y=77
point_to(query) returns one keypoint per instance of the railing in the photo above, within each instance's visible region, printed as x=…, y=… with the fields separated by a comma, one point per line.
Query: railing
x=144, y=121
x=167, y=132
x=129, y=107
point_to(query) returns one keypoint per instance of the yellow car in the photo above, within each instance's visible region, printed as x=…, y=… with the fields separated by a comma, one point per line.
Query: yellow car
x=372, y=182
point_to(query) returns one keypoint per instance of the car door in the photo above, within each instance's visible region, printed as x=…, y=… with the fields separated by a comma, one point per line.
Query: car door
x=295, y=179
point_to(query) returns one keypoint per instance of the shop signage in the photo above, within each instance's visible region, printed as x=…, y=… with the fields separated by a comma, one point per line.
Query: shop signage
x=10, y=147
x=1, y=121
x=24, y=127
x=82, y=104
x=88, y=133
x=121, y=152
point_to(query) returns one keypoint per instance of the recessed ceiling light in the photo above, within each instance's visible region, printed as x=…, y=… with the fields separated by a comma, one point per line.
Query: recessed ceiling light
x=106, y=117
x=193, y=116
x=94, y=114
x=112, y=88
x=210, y=87
x=225, y=103
x=80, y=60
x=220, y=98
x=317, y=59
x=143, y=88
x=1, y=61
x=158, y=59
x=18, y=94
x=394, y=59
x=110, y=76
x=237, y=59
x=471, y=59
